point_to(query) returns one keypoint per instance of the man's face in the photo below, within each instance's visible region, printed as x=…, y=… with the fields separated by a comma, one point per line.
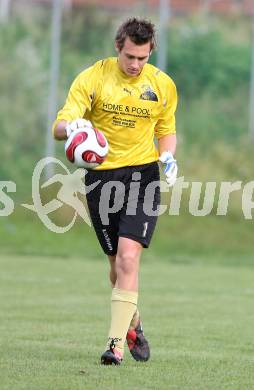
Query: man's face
x=133, y=57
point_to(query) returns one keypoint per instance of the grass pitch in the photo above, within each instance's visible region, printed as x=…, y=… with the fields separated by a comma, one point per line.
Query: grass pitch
x=55, y=316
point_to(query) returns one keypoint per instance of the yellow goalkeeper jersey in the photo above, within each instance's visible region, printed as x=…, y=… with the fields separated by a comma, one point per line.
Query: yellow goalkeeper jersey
x=130, y=111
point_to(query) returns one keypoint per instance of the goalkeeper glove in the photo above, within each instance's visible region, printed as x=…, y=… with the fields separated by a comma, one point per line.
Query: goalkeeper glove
x=170, y=168
x=76, y=125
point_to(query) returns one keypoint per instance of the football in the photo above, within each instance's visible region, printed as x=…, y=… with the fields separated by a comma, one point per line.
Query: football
x=86, y=147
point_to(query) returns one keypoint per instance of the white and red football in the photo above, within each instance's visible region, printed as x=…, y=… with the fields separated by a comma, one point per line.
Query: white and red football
x=86, y=147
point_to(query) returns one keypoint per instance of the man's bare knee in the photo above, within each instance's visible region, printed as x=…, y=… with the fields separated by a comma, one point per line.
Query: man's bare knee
x=126, y=263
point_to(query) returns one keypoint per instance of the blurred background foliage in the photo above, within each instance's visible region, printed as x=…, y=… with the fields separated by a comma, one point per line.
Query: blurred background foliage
x=208, y=58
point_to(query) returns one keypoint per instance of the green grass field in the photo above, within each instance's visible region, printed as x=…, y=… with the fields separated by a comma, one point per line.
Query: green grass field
x=55, y=314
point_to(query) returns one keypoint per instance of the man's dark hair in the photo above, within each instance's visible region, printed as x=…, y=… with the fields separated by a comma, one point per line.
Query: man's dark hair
x=140, y=31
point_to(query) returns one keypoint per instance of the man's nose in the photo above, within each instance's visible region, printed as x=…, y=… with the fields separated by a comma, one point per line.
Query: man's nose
x=135, y=63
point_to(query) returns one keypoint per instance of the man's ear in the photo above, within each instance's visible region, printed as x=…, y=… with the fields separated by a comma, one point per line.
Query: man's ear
x=117, y=48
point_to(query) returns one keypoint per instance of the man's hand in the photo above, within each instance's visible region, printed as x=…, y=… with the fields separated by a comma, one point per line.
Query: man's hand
x=77, y=124
x=171, y=167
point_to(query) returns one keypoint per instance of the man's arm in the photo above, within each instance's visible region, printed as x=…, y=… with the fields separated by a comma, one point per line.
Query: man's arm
x=70, y=117
x=167, y=143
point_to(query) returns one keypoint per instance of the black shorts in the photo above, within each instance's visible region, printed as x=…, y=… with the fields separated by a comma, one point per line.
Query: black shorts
x=124, y=203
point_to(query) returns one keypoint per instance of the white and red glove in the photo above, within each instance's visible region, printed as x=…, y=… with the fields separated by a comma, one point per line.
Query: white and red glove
x=79, y=123
x=170, y=168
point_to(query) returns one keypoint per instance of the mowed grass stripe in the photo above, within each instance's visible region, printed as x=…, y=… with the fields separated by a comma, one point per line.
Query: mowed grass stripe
x=55, y=315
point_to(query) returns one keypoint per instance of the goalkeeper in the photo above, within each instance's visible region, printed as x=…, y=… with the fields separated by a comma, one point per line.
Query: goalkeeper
x=130, y=101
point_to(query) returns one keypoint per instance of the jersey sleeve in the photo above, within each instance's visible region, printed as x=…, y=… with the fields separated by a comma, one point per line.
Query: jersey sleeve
x=80, y=96
x=166, y=122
